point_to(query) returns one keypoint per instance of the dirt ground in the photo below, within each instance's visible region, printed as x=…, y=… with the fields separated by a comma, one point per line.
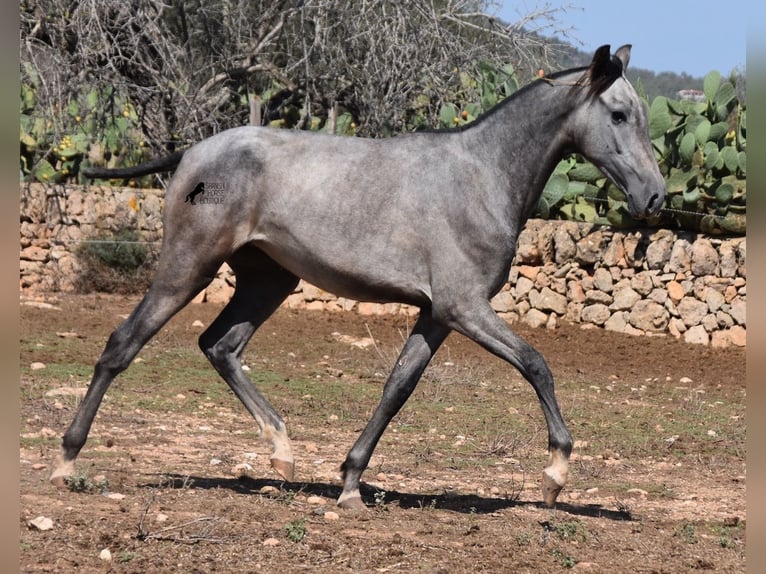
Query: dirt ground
x=174, y=479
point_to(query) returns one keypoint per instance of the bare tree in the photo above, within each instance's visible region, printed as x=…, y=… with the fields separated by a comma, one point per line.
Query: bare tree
x=191, y=68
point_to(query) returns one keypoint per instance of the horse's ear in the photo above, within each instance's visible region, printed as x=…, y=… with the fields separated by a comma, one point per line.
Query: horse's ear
x=600, y=64
x=605, y=68
x=623, y=55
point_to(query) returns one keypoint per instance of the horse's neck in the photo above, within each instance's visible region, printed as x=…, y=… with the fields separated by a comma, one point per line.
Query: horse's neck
x=527, y=136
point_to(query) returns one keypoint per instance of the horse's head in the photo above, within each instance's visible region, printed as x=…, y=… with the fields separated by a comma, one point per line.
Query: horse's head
x=611, y=130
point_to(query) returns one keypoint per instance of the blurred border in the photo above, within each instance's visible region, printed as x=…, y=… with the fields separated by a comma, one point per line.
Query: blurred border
x=9, y=284
x=756, y=265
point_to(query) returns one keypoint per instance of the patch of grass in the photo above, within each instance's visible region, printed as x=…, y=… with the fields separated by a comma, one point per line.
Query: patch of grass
x=125, y=556
x=571, y=530
x=80, y=482
x=523, y=538
x=296, y=529
x=380, y=501
x=565, y=560
x=687, y=532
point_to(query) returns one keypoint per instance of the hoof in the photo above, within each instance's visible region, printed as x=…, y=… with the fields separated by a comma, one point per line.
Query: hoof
x=64, y=469
x=551, y=490
x=59, y=481
x=284, y=468
x=352, y=503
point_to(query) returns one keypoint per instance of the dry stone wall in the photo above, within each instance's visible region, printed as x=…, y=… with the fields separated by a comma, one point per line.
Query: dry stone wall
x=646, y=282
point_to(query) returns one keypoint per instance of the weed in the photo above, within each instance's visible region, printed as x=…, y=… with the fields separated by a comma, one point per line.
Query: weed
x=296, y=529
x=81, y=483
x=380, y=500
x=523, y=538
x=286, y=497
x=624, y=509
x=572, y=530
x=564, y=559
x=687, y=532
x=725, y=540
x=125, y=556
x=118, y=263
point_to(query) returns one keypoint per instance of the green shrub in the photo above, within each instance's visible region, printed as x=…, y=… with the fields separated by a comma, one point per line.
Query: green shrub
x=117, y=263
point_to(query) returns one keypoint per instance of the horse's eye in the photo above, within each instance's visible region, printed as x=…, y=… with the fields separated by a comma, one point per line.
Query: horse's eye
x=618, y=117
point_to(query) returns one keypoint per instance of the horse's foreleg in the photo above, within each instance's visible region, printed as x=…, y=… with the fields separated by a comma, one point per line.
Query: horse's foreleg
x=421, y=345
x=480, y=323
x=154, y=310
x=256, y=297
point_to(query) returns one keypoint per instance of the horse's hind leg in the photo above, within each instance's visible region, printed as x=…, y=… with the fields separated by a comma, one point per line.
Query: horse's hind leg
x=169, y=293
x=426, y=337
x=261, y=286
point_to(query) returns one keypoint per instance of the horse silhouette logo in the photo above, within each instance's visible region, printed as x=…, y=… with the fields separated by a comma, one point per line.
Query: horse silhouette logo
x=200, y=188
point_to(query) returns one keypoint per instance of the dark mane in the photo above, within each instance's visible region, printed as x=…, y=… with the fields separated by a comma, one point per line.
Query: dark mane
x=551, y=78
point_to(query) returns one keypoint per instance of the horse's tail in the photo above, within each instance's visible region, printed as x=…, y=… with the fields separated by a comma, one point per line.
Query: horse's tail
x=167, y=163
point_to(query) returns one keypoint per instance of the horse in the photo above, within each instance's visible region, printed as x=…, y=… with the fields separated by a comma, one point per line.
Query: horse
x=428, y=218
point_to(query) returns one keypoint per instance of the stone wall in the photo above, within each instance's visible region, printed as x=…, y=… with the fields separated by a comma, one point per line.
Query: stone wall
x=56, y=219
x=653, y=282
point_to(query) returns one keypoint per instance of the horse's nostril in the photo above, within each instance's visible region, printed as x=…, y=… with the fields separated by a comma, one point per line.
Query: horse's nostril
x=652, y=206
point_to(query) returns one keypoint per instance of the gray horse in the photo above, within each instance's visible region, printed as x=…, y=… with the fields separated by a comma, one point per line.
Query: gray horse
x=429, y=219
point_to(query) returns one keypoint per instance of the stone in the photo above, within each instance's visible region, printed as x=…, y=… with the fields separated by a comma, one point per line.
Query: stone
x=714, y=300
x=41, y=523
x=680, y=257
x=633, y=256
x=526, y=248
x=738, y=311
x=728, y=259
x=658, y=251
x=565, y=248
x=574, y=312
x=614, y=255
x=648, y=316
x=642, y=283
x=549, y=300
x=575, y=292
x=34, y=253
x=676, y=327
x=502, y=302
x=624, y=299
x=529, y=271
x=697, y=335
x=596, y=314
x=720, y=339
x=710, y=323
x=595, y=296
x=659, y=296
x=675, y=291
x=738, y=336
x=545, y=241
x=523, y=287
x=691, y=311
x=617, y=322
x=724, y=320
x=589, y=248
x=602, y=280
x=704, y=258
x=535, y=318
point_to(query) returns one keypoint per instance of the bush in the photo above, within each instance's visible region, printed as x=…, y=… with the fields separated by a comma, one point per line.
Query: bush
x=117, y=263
